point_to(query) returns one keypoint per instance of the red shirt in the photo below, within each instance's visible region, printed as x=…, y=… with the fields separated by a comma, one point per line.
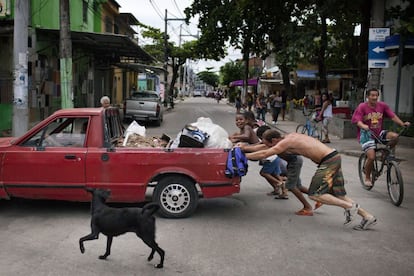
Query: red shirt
x=372, y=116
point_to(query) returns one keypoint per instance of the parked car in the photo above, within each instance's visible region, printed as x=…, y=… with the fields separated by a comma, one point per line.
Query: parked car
x=197, y=93
x=144, y=106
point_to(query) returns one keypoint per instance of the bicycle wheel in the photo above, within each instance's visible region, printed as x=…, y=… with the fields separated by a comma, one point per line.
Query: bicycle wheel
x=301, y=128
x=361, y=171
x=317, y=132
x=395, y=185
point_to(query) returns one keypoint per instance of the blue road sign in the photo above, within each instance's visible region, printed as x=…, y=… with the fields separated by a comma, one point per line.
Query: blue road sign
x=377, y=55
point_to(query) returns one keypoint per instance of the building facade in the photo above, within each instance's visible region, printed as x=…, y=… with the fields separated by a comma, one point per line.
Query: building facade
x=103, y=45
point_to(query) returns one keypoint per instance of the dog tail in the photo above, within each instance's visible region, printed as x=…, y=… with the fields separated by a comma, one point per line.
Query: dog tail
x=152, y=207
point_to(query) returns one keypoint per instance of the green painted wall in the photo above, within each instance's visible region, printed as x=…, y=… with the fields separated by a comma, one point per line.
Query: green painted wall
x=6, y=111
x=45, y=14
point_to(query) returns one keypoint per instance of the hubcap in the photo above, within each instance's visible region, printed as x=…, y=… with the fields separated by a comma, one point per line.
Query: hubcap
x=175, y=198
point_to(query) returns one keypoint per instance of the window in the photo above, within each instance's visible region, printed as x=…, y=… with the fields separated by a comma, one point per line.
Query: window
x=108, y=25
x=63, y=132
x=85, y=11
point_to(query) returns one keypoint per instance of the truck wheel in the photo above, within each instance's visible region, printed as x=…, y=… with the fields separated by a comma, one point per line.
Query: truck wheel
x=158, y=122
x=177, y=197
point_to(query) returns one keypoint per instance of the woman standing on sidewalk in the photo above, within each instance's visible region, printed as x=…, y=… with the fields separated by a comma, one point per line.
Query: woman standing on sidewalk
x=261, y=107
x=325, y=115
x=276, y=105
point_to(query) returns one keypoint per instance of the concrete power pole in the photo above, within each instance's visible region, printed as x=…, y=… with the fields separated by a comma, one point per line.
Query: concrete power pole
x=65, y=56
x=20, y=92
x=166, y=94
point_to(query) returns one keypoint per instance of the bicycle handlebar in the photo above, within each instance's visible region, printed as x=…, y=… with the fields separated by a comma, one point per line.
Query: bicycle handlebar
x=385, y=141
x=307, y=112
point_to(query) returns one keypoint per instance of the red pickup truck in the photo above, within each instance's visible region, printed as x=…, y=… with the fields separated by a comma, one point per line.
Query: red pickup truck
x=77, y=148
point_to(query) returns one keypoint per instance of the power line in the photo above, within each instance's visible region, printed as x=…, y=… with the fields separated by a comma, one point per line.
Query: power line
x=156, y=9
x=175, y=3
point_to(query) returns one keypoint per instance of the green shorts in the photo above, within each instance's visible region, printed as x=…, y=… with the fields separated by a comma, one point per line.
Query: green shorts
x=328, y=177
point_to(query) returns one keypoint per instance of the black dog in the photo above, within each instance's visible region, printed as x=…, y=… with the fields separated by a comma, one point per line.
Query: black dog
x=113, y=222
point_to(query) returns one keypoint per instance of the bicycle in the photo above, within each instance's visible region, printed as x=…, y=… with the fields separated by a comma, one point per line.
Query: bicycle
x=384, y=158
x=311, y=127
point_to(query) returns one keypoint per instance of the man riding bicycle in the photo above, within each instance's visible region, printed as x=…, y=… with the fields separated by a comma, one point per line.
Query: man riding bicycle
x=369, y=116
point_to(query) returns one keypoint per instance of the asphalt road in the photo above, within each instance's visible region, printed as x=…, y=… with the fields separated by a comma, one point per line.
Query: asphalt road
x=249, y=233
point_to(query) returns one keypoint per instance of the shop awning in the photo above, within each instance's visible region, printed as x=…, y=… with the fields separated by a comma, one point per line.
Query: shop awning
x=307, y=74
x=273, y=69
x=274, y=81
x=138, y=67
x=314, y=75
x=111, y=46
x=251, y=82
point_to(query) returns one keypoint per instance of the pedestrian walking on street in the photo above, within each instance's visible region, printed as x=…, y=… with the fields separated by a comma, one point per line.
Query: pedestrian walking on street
x=276, y=105
x=325, y=115
x=261, y=106
x=249, y=100
x=327, y=185
x=238, y=103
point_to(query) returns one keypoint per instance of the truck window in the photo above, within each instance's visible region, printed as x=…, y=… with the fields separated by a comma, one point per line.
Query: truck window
x=114, y=128
x=62, y=132
x=145, y=95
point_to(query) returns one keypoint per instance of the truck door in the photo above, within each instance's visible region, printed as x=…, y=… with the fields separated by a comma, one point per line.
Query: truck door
x=50, y=164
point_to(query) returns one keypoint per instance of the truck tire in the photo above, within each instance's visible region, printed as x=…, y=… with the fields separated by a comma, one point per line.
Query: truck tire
x=158, y=122
x=176, y=195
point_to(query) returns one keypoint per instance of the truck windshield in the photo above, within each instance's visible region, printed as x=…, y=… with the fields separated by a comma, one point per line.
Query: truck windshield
x=146, y=95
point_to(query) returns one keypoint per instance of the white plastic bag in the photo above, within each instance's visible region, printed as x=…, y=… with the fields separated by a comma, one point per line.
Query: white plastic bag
x=218, y=136
x=136, y=128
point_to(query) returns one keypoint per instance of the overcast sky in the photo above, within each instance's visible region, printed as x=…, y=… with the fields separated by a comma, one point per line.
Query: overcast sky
x=152, y=13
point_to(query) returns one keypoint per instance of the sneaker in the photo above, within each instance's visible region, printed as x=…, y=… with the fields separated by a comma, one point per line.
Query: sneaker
x=365, y=224
x=273, y=122
x=350, y=213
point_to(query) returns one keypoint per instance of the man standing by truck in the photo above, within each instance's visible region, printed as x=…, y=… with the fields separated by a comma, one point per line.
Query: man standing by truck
x=105, y=102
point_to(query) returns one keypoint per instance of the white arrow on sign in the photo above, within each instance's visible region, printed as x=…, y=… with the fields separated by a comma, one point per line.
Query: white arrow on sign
x=378, y=49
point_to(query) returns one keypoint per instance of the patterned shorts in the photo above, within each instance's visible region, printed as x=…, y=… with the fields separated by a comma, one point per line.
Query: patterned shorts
x=328, y=177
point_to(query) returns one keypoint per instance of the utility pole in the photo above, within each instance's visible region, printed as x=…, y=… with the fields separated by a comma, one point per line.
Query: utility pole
x=184, y=78
x=166, y=91
x=65, y=56
x=165, y=61
x=185, y=68
x=20, y=85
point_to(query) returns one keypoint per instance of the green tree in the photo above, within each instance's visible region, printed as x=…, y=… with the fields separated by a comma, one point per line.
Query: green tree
x=223, y=24
x=296, y=30
x=405, y=28
x=209, y=77
x=231, y=71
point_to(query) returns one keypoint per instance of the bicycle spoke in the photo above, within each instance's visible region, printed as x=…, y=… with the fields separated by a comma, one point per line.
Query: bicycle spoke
x=361, y=171
x=395, y=183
